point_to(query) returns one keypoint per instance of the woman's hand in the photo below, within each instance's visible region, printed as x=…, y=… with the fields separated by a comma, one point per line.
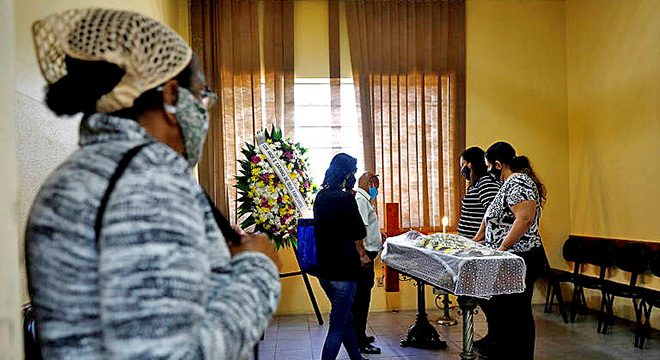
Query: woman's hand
x=365, y=260
x=257, y=242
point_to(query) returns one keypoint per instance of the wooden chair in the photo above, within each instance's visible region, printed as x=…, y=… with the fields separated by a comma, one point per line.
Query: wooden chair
x=633, y=258
x=600, y=253
x=573, y=251
x=650, y=299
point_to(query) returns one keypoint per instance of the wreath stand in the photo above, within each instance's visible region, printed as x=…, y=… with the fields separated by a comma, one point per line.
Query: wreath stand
x=310, y=292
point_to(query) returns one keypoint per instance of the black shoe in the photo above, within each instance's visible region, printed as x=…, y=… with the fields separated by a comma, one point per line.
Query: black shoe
x=484, y=347
x=484, y=343
x=370, y=339
x=369, y=349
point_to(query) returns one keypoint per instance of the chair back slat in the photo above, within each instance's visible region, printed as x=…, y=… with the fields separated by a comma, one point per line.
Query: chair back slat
x=655, y=264
x=574, y=250
x=633, y=258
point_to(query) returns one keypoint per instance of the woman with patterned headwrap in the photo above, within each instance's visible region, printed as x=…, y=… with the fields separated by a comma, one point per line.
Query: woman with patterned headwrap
x=127, y=257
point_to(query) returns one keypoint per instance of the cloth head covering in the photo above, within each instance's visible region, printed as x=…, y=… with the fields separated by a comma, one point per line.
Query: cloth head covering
x=149, y=52
x=341, y=165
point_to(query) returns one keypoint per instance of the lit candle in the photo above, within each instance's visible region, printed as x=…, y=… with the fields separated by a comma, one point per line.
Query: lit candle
x=445, y=222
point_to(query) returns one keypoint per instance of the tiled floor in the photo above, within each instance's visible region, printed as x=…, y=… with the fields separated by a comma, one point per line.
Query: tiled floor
x=301, y=338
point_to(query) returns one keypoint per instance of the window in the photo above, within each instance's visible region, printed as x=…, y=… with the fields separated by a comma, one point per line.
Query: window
x=316, y=130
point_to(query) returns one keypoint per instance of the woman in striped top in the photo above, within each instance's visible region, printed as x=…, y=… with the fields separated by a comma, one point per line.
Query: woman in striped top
x=481, y=191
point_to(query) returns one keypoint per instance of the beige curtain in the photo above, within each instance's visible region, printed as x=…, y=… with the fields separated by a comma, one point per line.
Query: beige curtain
x=278, y=64
x=225, y=36
x=408, y=59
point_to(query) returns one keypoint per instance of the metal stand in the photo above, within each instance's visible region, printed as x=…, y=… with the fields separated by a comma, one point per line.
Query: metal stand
x=445, y=319
x=422, y=334
x=310, y=292
x=468, y=304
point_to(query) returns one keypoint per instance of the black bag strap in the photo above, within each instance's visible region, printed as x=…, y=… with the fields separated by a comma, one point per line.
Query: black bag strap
x=225, y=227
x=123, y=164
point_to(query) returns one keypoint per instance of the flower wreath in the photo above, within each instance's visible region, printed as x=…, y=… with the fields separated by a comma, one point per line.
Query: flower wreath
x=262, y=195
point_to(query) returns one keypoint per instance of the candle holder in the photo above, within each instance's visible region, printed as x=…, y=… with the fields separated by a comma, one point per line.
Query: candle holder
x=445, y=306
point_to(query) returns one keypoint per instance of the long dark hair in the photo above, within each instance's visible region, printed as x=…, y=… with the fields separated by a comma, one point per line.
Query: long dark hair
x=475, y=156
x=86, y=81
x=341, y=166
x=506, y=154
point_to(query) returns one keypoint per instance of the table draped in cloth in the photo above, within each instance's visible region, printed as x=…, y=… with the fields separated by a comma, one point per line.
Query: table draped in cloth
x=460, y=273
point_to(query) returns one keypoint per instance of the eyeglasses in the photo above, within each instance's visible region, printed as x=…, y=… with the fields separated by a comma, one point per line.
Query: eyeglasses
x=206, y=97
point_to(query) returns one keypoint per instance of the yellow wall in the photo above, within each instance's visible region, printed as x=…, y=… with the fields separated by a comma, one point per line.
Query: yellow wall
x=43, y=139
x=516, y=92
x=613, y=57
x=311, y=41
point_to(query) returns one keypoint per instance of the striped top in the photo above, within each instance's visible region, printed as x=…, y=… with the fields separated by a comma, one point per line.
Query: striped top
x=162, y=284
x=475, y=203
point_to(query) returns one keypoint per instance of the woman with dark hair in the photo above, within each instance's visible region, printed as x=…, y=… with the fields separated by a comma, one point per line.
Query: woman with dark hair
x=511, y=224
x=339, y=230
x=482, y=188
x=126, y=256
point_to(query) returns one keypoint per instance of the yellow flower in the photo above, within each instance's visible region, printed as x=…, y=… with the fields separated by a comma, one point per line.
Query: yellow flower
x=294, y=175
x=283, y=211
x=286, y=198
x=255, y=171
x=271, y=188
x=255, y=178
x=261, y=184
x=250, y=194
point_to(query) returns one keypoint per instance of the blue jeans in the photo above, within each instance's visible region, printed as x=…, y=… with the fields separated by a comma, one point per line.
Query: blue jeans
x=341, y=295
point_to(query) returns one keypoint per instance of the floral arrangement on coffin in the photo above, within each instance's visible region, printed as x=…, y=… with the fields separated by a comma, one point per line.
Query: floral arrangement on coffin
x=263, y=197
x=452, y=244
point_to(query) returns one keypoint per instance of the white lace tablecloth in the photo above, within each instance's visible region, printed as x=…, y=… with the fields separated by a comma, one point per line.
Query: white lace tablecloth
x=461, y=274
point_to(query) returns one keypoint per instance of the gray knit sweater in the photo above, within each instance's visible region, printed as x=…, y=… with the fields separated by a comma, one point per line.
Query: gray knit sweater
x=162, y=284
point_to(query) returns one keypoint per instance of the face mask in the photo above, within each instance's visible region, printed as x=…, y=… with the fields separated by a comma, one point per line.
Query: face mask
x=193, y=121
x=350, y=182
x=373, y=192
x=495, y=172
x=466, y=172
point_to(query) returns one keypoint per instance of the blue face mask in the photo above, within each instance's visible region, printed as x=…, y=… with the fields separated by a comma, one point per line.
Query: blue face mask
x=373, y=192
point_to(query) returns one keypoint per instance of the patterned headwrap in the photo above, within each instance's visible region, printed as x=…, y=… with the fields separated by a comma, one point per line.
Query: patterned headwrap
x=149, y=52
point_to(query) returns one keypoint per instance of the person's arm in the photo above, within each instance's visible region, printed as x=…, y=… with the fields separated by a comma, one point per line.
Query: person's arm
x=521, y=198
x=525, y=212
x=481, y=234
x=363, y=209
x=169, y=291
x=364, y=258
